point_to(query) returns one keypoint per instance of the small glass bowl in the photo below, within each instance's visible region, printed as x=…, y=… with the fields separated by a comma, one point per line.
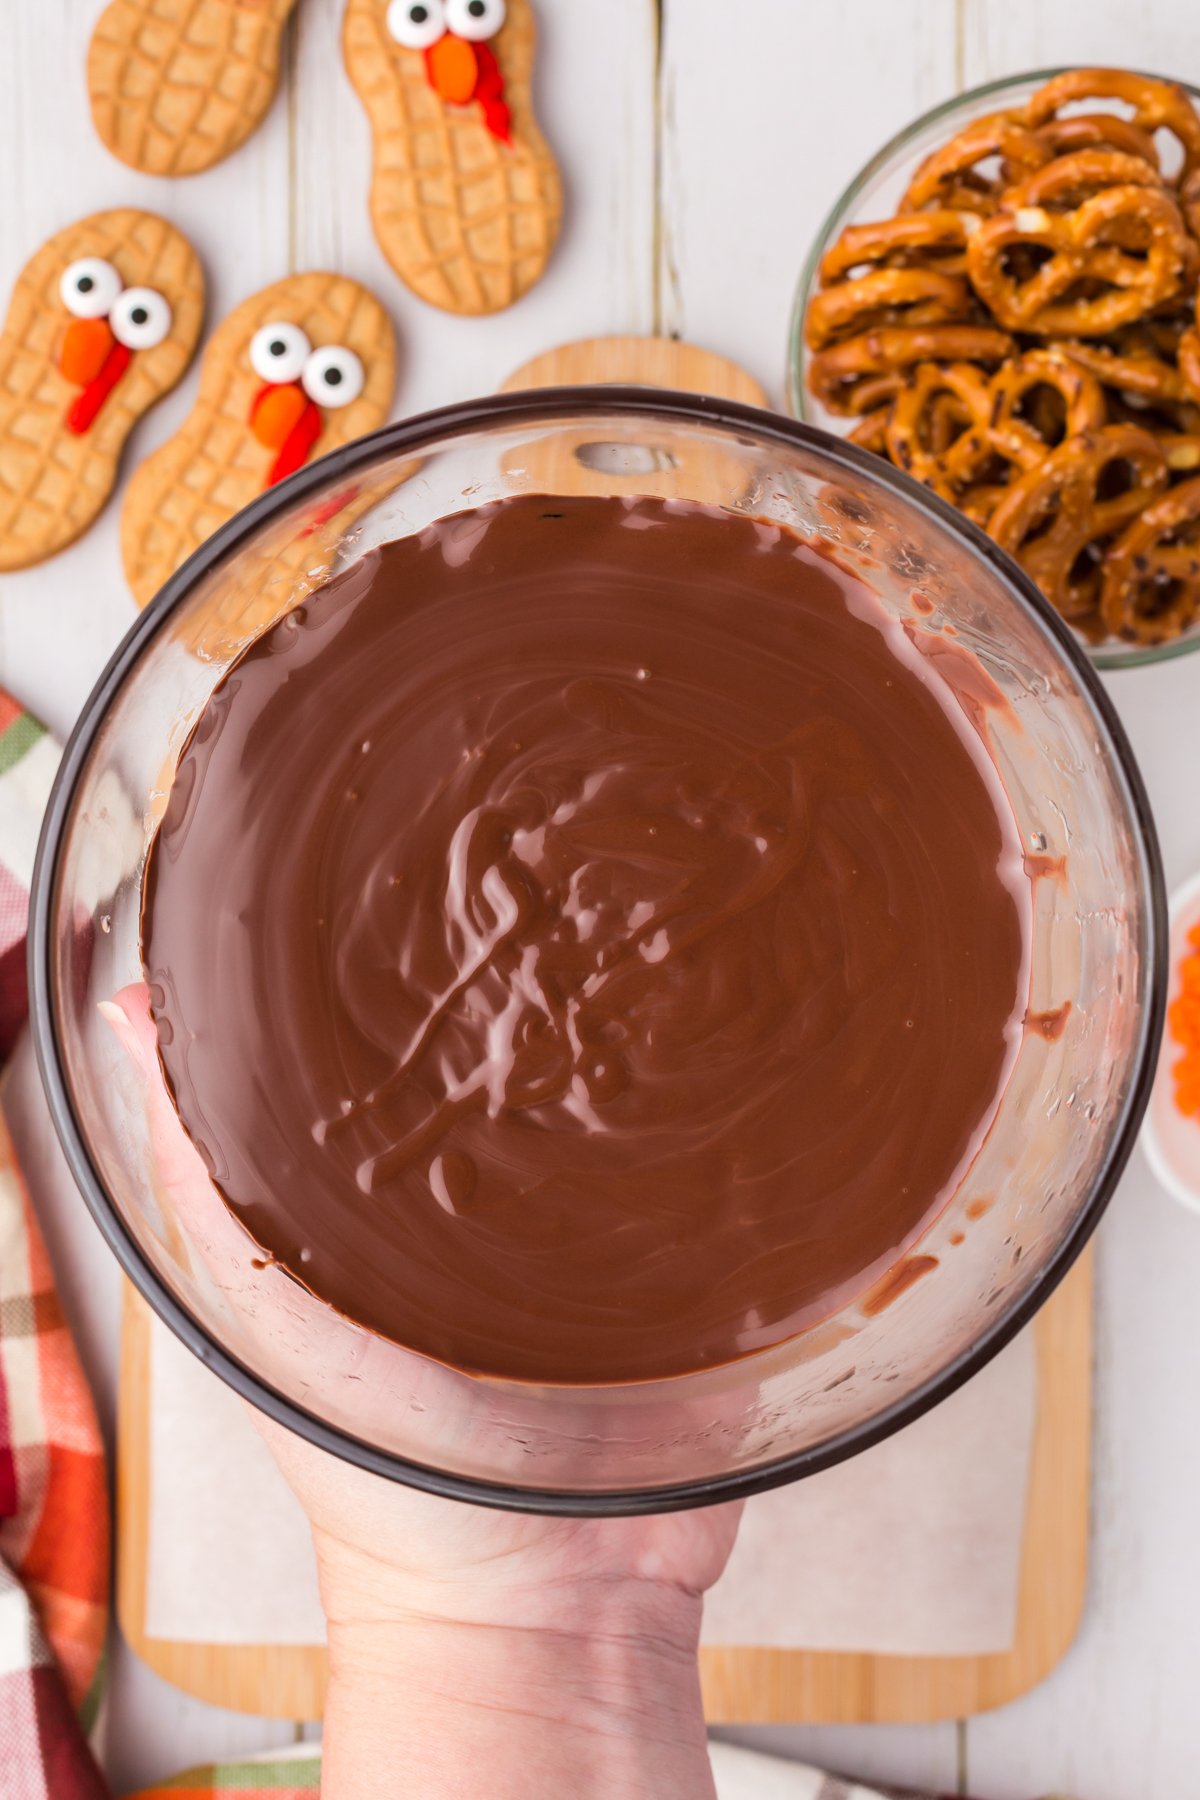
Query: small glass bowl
x=875, y=193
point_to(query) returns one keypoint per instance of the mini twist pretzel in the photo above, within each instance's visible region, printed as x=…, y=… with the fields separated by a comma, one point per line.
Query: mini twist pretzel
x=1129, y=239
x=1189, y=357
x=1065, y=183
x=939, y=428
x=979, y=503
x=1092, y=131
x=927, y=239
x=1027, y=441
x=871, y=430
x=847, y=377
x=1189, y=201
x=1151, y=588
x=1190, y=277
x=1161, y=418
x=1054, y=519
x=885, y=296
x=1157, y=105
x=1131, y=362
x=951, y=176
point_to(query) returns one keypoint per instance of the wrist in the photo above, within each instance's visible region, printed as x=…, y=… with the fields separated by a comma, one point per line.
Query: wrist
x=590, y=1685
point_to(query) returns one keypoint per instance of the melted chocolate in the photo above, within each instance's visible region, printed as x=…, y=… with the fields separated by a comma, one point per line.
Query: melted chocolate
x=587, y=940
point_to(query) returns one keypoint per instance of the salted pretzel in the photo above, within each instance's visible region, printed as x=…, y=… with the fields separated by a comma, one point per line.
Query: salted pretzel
x=1065, y=183
x=862, y=372
x=1189, y=357
x=1165, y=420
x=1157, y=105
x=1091, y=131
x=1130, y=361
x=1189, y=201
x=1130, y=241
x=1189, y=280
x=926, y=239
x=885, y=296
x=954, y=430
x=1151, y=589
x=1024, y=338
x=1056, y=519
x=1026, y=437
x=939, y=428
x=871, y=430
x=979, y=502
x=952, y=176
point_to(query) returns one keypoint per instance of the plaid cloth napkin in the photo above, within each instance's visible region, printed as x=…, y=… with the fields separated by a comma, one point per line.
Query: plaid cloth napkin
x=28, y=759
x=54, y=1522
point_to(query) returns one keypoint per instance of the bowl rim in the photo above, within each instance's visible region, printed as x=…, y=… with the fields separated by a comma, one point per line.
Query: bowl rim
x=1104, y=655
x=404, y=439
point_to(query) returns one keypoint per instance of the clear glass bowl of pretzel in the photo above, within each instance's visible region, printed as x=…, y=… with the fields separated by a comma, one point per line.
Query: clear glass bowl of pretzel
x=1005, y=303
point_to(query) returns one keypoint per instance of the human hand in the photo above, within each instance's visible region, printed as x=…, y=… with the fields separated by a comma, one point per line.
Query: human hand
x=512, y=1654
x=484, y=1651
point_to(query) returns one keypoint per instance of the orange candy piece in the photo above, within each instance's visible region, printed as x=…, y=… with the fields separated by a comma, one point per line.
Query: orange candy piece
x=1183, y=1019
x=453, y=69
x=276, y=413
x=85, y=347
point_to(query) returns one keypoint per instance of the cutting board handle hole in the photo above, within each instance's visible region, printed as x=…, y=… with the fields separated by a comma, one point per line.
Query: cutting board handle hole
x=625, y=459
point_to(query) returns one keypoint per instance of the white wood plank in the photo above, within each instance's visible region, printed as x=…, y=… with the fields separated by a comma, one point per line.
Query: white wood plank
x=594, y=91
x=1117, y=1718
x=1158, y=35
x=769, y=107
x=923, y=1757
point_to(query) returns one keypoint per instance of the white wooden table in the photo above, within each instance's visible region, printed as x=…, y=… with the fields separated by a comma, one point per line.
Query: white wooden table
x=702, y=141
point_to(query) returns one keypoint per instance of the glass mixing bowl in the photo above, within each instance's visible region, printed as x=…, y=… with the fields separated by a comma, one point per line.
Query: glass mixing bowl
x=1067, y=1119
x=875, y=193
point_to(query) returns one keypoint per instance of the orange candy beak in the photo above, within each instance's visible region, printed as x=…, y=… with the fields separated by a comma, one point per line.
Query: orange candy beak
x=453, y=69
x=85, y=349
x=91, y=360
x=276, y=413
x=285, y=420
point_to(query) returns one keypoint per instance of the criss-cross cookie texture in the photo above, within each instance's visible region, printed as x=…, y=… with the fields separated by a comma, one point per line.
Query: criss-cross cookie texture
x=177, y=85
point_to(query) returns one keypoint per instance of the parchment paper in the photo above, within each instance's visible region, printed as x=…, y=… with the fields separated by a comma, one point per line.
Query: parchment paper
x=912, y=1548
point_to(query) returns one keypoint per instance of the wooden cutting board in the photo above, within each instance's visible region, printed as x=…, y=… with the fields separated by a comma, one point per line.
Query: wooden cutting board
x=742, y=1685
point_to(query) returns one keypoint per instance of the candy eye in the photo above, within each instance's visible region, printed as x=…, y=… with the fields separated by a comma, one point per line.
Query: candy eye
x=333, y=376
x=475, y=19
x=89, y=287
x=279, y=352
x=417, y=23
x=140, y=318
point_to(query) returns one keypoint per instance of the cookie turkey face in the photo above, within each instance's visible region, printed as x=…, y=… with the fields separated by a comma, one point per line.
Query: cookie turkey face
x=454, y=35
x=466, y=198
x=103, y=322
x=299, y=382
x=299, y=369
